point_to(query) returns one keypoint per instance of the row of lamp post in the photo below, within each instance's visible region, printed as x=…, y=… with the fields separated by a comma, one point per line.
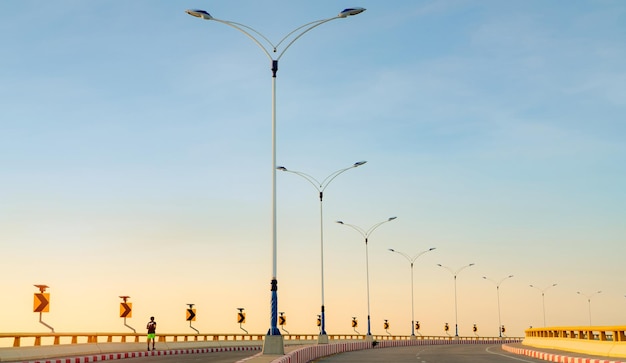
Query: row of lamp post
x=320, y=187
x=273, y=343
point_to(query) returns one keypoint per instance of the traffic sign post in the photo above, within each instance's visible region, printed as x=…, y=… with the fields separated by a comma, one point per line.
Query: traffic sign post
x=191, y=316
x=241, y=318
x=282, y=321
x=355, y=323
x=41, y=303
x=126, y=311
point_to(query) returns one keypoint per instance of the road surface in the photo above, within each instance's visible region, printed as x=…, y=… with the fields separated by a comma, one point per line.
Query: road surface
x=462, y=353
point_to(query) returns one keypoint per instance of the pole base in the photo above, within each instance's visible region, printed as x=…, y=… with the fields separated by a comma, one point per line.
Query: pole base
x=322, y=339
x=369, y=338
x=274, y=344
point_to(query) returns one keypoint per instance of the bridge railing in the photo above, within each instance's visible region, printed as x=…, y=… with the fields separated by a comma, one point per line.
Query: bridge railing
x=17, y=340
x=601, y=333
x=609, y=341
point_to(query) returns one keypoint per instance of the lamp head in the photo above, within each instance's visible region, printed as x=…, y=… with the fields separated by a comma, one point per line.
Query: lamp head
x=359, y=163
x=281, y=168
x=350, y=11
x=392, y=250
x=199, y=14
x=392, y=218
x=340, y=222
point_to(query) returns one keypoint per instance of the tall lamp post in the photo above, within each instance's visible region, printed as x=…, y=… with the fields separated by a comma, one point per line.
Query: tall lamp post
x=498, y=283
x=455, y=274
x=273, y=343
x=589, y=301
x=543, y=300
x=411, y=261
x=320, y=187
x=366, y=234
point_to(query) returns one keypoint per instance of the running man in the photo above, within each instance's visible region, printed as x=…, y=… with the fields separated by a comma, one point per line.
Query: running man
x=151, y=332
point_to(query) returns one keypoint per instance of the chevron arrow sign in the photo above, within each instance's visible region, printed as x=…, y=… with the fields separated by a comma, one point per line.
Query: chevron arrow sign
x=126, y=310
x=41, y=303
x=191, y=315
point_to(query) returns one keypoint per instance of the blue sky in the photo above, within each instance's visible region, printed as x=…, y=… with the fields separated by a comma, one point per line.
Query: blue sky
x=135, y=159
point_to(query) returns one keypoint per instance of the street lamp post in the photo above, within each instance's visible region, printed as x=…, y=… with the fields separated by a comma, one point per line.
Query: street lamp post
x=498, y=293
x=273, y=343
x=366, y=234
x=589, y=301
x=320, y=187
x=543, y=300
x=455, y=273
x=411, y=261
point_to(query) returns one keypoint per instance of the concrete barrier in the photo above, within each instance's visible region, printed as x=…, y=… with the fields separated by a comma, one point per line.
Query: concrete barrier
x=608, y=341
x=91, y=352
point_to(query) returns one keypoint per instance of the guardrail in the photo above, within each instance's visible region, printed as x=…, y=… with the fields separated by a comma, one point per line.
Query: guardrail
x=45, y=339
x=601, y=333
x=609, y=341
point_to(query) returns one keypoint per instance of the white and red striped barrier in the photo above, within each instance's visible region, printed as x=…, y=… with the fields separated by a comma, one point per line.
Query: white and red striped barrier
x=551, y=357
x=114, y=356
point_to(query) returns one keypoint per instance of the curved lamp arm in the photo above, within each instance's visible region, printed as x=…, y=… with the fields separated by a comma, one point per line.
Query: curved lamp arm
x=367, y=233
x=250, y=32
x=321, y=186
x=412, y=259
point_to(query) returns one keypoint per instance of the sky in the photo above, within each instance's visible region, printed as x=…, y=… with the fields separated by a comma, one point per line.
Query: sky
x=135, y=159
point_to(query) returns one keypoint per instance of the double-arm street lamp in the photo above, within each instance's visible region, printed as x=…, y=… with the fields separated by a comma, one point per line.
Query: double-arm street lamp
x=589, y=301
x=455, y=273
x=273, y=343
x=498, y=283
x=366, y=234
x=320, y=187
x=411, y=261
x=543, y=299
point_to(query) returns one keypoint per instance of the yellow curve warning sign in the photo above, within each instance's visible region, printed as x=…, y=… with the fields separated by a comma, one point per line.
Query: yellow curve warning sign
x=41, y=303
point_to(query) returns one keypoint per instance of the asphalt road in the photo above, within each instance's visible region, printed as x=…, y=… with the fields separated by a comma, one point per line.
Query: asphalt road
x=470, y=353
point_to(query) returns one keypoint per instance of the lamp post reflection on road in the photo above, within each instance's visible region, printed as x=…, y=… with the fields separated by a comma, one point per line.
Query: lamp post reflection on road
x=455, y=273
x=498, y=293
x=320, y=187
x=273, y=343
x=543, y=300
x=365, y=235
x=411, y=261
